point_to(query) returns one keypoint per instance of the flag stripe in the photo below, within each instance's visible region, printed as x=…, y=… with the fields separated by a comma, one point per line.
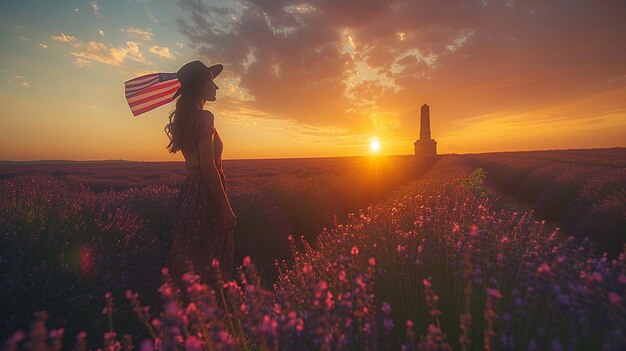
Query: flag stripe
x=153, y=90
x=131, y=92
x=148, y=103
x=141, y=85
x=142, y=78
x=141, y=82
x=160, y=85
x=157, y=95
x=150, y=107
x=150, y=91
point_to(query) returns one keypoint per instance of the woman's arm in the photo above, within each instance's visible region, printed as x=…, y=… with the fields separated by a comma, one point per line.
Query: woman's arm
x=209, y=171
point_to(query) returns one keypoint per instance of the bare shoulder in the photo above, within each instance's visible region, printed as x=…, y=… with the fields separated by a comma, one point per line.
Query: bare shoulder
x=206, y=115
x=204, y=125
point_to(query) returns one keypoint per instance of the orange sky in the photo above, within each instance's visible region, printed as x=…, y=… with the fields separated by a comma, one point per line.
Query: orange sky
x=317, y=78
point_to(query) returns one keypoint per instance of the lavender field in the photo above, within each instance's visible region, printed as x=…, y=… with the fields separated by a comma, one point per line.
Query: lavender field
x=393, y=253
x=583, y=190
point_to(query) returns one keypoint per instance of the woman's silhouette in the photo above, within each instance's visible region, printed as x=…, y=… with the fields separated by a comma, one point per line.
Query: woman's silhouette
x=204, y=222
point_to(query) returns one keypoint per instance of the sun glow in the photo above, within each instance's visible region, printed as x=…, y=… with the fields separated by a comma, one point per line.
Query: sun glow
x=374, y=146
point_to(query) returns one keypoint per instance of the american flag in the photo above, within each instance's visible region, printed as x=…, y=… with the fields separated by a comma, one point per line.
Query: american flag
x=150, y=91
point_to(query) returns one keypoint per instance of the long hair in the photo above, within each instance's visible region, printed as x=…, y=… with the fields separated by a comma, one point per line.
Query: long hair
x=179, y=116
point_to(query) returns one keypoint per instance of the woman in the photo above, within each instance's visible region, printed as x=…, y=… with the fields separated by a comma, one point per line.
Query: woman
x=204, y=223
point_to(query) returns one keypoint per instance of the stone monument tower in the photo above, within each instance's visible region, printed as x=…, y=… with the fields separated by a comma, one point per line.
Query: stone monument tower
x=425, y=146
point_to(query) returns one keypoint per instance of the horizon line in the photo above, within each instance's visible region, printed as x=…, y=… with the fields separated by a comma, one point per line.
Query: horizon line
x=308, y=157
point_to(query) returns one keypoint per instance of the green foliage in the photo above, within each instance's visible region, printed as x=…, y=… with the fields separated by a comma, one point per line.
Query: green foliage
x=475, y=182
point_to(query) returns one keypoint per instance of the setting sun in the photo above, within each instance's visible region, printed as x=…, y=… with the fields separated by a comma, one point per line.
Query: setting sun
x=374, y=146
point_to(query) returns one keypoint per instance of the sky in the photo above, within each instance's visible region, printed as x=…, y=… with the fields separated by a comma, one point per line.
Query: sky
x=316, y=78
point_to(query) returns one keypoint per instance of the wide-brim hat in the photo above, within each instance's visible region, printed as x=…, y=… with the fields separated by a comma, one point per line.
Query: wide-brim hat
x=192, y=74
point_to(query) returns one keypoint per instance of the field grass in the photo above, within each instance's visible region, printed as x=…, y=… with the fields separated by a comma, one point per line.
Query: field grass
x=583, y=190
x=75, y=230
x=373, y=253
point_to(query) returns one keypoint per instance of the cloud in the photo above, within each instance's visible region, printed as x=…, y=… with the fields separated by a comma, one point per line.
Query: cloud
x=161, y=51
x=93, y=51
x=63, y=37
x=101, y=32
x=370, y=64
x=95, y=7
x=42, y=45
x=139, y=33
x=20, y=81
x=85, y=53
x=150, y=14
x=82, y=63
x=292, y=73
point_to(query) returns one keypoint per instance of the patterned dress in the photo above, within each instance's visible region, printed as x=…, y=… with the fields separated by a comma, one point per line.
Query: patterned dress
x=199, y=231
